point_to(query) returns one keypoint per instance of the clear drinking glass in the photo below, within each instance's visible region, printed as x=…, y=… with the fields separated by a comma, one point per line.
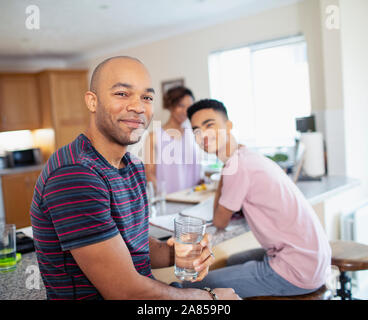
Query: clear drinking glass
x=157, y=198
x=8, y=250
x=151, y=199
x=189, y=231
x=161, y=197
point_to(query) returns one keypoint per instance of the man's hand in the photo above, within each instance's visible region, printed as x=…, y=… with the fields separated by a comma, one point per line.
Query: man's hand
x=203, y=262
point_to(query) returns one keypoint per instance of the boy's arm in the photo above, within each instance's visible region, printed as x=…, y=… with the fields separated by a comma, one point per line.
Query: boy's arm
x=221, y=215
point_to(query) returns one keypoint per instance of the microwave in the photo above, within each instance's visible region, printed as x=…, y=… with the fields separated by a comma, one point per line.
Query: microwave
x=26, y=157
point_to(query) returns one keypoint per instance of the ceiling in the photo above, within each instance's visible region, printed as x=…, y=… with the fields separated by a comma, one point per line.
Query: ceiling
x=72, y=28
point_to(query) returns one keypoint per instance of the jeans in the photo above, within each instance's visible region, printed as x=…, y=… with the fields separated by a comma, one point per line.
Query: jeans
x=250, y=275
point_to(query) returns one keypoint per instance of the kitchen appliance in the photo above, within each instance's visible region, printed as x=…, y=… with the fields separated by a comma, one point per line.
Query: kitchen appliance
x=3, y=161
x=314, y=162
x=26, y=157
x=306, y=124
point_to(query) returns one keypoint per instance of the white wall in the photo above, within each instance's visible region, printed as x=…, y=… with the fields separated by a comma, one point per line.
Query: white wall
x=333, y=112
x=186, y=55
x=354, y=30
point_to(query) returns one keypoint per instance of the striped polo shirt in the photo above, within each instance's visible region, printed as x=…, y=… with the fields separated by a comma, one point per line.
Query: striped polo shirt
x=80, y=199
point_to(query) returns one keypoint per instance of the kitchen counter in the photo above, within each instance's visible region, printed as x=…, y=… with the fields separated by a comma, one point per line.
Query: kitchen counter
x=15, y=170
x=25, y=283
x=318, y=191
x=18, y=284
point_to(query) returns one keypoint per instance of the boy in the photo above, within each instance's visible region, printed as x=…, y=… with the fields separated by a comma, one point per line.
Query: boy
x=295, y=256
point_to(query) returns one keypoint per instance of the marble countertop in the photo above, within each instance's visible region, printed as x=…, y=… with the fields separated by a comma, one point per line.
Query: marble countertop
x=25, y=283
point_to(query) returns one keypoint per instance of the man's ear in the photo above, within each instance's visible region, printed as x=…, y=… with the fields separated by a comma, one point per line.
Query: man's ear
x=91, y=101
x=229, y=125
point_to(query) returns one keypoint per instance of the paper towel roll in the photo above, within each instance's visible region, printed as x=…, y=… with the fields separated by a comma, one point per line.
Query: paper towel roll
x=314, y=163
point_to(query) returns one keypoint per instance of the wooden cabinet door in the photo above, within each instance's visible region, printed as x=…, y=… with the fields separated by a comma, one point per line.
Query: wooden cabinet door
x=17, y=196
x=69, y=111
x=19, y=102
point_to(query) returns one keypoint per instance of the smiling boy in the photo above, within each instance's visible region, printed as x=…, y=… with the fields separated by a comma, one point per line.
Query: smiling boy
x=295, y=255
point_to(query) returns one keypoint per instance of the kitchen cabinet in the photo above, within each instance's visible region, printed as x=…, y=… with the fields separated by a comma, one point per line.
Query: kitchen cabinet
x=18, y=191
x=19, y=102
x=62, y=103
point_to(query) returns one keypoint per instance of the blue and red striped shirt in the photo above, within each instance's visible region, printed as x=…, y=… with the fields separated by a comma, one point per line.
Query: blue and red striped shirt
x=80, y=199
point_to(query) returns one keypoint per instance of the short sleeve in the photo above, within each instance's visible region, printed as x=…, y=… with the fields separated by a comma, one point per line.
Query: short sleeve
x=235, y=185
x=78, y=203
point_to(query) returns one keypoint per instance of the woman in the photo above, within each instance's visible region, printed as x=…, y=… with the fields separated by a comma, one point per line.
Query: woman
x=171, y=155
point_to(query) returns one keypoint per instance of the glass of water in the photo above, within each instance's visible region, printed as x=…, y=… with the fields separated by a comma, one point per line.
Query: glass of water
x=156, y=198
x=8, y=250
x=151, y=200
x=161, y=197
x=189, y=231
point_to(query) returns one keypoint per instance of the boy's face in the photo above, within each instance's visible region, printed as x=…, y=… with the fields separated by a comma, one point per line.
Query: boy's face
x=210, y=129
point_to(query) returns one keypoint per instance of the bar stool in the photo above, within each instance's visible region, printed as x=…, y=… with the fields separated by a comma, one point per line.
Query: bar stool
x=323, y=293
x=348, y=256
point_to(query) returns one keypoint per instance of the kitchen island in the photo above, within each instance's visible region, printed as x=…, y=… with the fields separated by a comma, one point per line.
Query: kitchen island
x=25, y=282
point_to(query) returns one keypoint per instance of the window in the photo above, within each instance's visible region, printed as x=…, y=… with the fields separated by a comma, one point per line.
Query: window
x=264, y=88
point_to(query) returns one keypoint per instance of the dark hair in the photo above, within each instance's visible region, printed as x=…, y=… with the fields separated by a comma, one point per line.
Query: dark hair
x=207, y=104
x=174, y=95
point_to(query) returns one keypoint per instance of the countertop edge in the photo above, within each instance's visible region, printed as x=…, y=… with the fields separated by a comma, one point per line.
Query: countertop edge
x=328, y=194
x=16, y=170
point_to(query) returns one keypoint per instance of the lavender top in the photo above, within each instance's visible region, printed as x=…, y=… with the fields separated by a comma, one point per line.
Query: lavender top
x=177, y=161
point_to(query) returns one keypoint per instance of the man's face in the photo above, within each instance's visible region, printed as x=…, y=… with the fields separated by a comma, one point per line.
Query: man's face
x=124, y=101
x=210, y=129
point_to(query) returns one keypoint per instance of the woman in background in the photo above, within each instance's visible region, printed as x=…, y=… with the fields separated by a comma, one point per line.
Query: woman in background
x=171, y=154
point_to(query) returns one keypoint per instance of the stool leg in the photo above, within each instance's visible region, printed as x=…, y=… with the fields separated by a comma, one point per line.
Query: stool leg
x=345, y=287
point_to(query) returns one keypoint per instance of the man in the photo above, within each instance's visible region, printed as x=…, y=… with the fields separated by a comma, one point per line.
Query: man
x=89, y=212
x=295, y=255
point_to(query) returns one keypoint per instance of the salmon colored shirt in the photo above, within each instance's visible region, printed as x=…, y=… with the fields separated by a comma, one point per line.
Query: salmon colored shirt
x=279, y=216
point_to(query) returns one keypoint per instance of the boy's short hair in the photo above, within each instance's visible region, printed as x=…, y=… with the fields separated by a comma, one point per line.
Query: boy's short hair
x=207, y=104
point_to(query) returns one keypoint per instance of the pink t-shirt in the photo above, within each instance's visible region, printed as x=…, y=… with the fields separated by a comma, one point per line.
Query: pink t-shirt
x=280, y=217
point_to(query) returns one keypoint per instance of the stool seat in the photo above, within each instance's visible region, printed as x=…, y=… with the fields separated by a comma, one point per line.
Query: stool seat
x=323, y=293
x=349, y=255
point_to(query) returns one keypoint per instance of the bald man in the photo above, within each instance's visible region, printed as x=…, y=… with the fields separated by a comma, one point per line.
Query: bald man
x=89, y=211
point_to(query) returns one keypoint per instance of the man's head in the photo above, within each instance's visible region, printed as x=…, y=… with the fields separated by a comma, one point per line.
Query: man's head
x=211, y=125
x=120, y=99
